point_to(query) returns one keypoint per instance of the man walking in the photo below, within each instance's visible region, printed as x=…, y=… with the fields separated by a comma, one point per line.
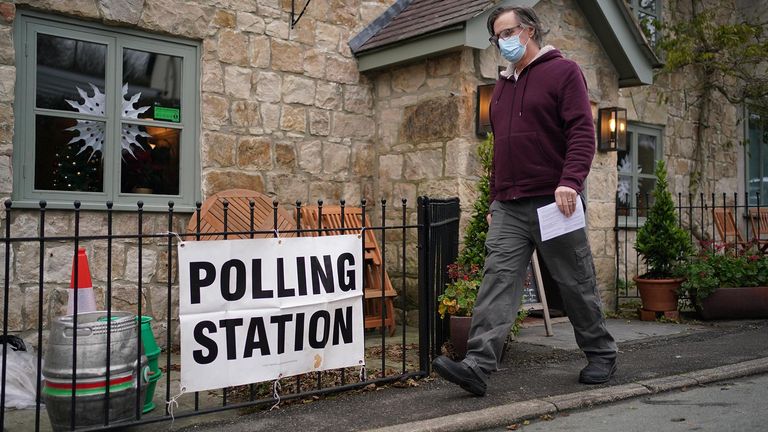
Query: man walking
x=544, y=142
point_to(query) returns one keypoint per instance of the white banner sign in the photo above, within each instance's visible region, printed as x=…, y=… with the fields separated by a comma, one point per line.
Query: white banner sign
x=257, y=310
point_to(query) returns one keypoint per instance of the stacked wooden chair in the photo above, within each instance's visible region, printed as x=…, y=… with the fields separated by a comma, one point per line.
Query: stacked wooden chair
x=727, y=228
x=238, y=217
x=758, y=218
x=375, y=279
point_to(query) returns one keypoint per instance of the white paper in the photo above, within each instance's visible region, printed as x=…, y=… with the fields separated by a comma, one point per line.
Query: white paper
x=270, y=336
x=554, y=223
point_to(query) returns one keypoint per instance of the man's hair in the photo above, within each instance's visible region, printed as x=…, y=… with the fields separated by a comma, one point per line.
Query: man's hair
x=526, y=16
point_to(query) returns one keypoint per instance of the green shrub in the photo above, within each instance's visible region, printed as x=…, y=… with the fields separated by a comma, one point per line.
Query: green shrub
x=660, y=241
x=477, y=228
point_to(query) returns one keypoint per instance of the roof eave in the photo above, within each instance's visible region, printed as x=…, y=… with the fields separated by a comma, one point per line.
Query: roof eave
x=472, y=33
x=379, y=23
x=622, y=40
x=444, y=40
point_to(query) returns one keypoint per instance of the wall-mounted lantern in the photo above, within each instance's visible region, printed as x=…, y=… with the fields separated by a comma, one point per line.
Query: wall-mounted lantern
x=612, y=129
x=482, y=109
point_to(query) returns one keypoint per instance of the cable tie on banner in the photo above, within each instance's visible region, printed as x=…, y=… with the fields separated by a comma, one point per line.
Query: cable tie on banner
x=174, y=403
x=178, y=237
x=363, y=373
x=276, y=388
x=277, y=235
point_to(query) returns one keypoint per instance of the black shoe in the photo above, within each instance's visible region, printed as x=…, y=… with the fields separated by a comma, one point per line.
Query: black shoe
x=597, y=371
x=459, y=373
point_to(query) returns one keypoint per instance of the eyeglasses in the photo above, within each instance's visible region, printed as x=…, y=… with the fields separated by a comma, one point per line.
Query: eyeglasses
x=505, y=34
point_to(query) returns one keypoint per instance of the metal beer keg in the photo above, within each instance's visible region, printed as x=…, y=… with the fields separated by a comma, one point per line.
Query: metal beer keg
x=91, y=370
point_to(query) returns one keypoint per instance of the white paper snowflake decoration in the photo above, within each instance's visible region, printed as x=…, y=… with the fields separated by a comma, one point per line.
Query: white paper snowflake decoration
x=92, y=132
x=623, y=187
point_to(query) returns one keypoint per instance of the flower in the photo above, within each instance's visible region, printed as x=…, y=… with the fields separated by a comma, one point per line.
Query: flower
x=460, y=294
x=721, y=266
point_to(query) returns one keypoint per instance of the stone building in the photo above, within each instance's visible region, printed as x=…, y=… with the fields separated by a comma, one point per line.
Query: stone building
x=231, y=94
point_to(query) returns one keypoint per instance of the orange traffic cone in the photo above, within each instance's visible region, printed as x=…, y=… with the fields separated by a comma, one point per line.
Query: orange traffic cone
x=86, y=302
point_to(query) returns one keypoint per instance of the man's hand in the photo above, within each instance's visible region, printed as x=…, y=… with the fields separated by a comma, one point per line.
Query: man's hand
x=565, y=198
x=488, y=219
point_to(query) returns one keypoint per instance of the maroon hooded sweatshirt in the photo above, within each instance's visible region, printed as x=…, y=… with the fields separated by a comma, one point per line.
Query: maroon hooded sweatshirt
x=544, y=136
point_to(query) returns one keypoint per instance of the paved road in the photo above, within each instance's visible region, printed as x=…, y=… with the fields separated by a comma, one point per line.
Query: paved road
x=739, y=405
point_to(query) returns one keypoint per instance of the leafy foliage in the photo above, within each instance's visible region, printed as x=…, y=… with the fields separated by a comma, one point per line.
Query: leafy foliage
x=660, y=241
x=717, y=266
x=477, y=229
x=459, y=296
x=732, y=54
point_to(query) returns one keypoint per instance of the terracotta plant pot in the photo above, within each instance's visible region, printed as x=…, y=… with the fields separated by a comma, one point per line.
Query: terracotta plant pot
x=730, y=303
x=658, y=295
x=459, y=328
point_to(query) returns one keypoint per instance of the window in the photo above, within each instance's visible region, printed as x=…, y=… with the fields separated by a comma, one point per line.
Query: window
x=104, y=115
x=757, y=159
x=636, y=171
x=648, y=13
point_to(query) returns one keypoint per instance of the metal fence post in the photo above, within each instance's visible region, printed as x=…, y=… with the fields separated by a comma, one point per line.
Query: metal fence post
x=425, y=305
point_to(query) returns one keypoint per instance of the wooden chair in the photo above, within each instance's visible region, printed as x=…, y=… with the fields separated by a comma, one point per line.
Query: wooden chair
x=239, y=216
x=727, y=228
x=758, y=219
x=332, y=223
x=372, y=275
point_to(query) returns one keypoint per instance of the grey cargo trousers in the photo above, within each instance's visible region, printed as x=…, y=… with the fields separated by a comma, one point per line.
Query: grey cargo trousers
x=512, y=236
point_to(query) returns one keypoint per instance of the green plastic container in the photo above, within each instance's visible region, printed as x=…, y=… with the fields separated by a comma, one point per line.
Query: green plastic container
x=152, y=351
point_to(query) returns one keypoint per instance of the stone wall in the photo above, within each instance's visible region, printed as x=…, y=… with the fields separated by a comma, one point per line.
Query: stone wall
x=284, y=112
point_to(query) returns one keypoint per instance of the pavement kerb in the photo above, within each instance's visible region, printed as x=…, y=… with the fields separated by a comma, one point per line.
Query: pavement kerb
x=506, y=414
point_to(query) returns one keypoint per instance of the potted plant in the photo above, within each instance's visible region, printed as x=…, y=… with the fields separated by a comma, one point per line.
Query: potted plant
x=724, y=282
x=662, y=244
x=457, y=301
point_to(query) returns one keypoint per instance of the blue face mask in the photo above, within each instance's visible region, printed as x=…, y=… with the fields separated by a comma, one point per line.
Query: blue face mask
x=512, y=49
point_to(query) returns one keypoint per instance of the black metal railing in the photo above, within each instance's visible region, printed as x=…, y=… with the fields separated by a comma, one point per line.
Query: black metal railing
x=441, y=221
x=436, y=230
x=729, y=220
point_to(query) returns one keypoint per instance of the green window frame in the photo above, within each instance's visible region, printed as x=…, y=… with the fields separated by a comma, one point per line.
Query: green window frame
x=635, y=168
x=178, y=165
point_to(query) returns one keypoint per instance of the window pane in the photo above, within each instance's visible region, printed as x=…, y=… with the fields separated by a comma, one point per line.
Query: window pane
x=646, y=153
x=645, y=199
x=70, y=74
x=624, y=194
x=67, y=154
x=150, y=162
x=153, y=86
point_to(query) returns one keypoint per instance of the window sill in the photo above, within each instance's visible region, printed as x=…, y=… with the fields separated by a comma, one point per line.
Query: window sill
x=629, y=222
x=149, y=207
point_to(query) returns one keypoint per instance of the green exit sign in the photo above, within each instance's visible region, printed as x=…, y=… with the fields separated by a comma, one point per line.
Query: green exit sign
x=162, y=113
